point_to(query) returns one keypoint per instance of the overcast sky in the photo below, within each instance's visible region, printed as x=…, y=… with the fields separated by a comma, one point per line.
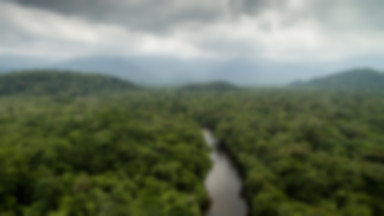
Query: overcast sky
x=284, y=30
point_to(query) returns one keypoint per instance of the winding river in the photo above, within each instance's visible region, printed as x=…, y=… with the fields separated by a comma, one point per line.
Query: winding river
x=223, y=183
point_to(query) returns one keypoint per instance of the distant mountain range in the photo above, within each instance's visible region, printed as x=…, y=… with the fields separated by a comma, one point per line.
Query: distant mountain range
x=62, y=83
x=74, y=84
x=362, y=80
x=157, y=70
x=171, y=71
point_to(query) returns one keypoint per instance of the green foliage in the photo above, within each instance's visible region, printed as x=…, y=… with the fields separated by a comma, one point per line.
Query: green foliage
x=305, y=153
x=99, y=157
x=60, y=83
x=107, y=150
x=213, y=86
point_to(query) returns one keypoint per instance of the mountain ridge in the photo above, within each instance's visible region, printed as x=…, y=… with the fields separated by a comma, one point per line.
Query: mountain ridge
x=357, y=79
x=59, y=82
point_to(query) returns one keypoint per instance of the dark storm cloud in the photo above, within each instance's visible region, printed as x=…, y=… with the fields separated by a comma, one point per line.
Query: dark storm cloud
x=162, y=15
x=281, y=29
x=153, y=15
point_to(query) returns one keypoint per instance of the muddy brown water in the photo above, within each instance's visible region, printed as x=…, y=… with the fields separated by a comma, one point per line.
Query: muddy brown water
x=223, y=183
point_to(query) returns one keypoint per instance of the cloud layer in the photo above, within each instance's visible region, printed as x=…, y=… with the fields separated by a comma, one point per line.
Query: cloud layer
x=285, y=30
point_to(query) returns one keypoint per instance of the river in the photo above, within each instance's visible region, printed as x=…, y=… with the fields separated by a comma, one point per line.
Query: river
x=223, y=183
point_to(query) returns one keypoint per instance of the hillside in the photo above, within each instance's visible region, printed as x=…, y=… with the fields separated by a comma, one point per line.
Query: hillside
x=362, y=79
x=211, y=86
x=51, y=82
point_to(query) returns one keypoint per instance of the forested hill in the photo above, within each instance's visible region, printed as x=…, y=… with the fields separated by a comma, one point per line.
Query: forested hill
x=53, y=82
x=364, y=79
x=212, y=86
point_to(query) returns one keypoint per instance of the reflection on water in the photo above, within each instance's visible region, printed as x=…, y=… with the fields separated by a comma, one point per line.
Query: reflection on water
x=223, y=183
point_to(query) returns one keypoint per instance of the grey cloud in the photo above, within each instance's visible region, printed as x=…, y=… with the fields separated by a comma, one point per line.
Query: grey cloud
x=247, y=6
x=348, y=13
x=215, y=19
x=162, y=15
x=152, y=15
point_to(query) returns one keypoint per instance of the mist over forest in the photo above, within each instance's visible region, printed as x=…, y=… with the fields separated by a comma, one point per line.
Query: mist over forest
x=166, y=71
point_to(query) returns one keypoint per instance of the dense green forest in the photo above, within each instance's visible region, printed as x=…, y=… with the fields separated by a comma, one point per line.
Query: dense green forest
x=304, y=154
x=212, y=86
x=140, y=152
x=99, y=156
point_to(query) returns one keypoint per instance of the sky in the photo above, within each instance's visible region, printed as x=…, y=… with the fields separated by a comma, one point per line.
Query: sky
x=282, y=30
